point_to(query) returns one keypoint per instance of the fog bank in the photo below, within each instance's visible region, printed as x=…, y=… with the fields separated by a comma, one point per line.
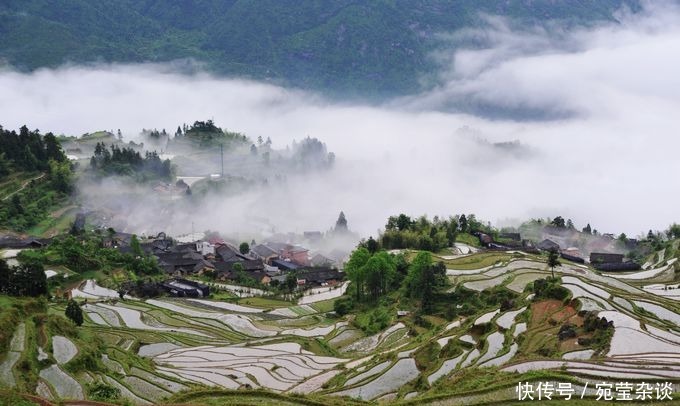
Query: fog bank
x=588, y=131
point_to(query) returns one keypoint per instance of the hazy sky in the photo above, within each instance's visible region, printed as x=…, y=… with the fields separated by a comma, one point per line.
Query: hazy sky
x=603, y=150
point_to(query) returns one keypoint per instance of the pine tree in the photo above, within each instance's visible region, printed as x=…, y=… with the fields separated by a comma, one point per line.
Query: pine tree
x=341, y=224
x=74, y=312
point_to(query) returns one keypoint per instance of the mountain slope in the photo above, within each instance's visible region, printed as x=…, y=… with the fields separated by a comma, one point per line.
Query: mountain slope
x=350, y=47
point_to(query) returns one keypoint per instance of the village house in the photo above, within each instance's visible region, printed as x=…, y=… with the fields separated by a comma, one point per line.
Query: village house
x=548, y=245
x=297, y=255
x=605, y=258
x=321, y=260
x=182, y=263
x=265, y=253
x=319, y=277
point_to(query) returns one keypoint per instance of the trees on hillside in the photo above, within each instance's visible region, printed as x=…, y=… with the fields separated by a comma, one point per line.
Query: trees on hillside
x=23, y=280
x=74, y=312
x=424, y=279
x=126, y=161
x=30, y=150
x=372, y=275
x=431, y=235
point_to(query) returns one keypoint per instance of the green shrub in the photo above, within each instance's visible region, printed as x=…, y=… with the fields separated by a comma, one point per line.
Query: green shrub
x=103, y=392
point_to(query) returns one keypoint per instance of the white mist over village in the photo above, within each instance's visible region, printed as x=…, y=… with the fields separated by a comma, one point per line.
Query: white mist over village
x=603, y=140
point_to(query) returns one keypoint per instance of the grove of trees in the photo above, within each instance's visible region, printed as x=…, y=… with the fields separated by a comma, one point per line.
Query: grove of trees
x=125, y=161
x=23, y=280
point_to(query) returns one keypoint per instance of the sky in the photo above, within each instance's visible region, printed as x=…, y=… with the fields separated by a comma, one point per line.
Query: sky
x=587, y=122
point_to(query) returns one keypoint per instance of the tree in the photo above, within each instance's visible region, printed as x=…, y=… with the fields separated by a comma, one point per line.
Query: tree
x=74, y=312
x=61, y=176
x=372, y=245
x=244, y=248
x=27, y=280
x=259, y=140
x=673, y=231
x=15, y=205
x=558, y=222
x=462, y=220
x=5, y=274
x=570, y=224
x=424, y=279
x=553, y=261
x=404, y=222
x=341, y=223
x=136, y=246
x=291, y=282
x=355, y=270
x=587, y=229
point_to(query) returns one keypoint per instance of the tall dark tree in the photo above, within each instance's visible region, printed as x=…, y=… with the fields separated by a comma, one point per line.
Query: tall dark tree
x=558, y=222
x=5, y=273
x=341, y=223
x=27, y=280
x=553, y=261
x=372, y=245
x=74, y=312
x=587, y=229
x=462, y=220
x=53, y=149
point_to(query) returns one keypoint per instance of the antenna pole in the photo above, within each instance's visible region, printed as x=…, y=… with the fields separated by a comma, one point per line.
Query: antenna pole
x=222, y=159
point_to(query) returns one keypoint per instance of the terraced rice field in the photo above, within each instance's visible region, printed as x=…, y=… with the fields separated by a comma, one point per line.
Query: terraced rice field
x=156, y=348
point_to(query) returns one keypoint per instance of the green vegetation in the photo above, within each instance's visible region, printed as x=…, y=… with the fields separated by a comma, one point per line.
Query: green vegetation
x=23, y=280
x=74, y=312
x=550, y=288
x=103, y=392
x=207, y=134
x=382, y=48
x=87, y=253
x=403, y=232
x=35, y=177
x=128, y=162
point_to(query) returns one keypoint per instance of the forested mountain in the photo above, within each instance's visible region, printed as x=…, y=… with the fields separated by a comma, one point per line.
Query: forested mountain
x=346, y=47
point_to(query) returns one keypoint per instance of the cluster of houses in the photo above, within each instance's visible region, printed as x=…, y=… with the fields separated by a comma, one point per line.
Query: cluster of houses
x=268, y=263
x=599, y=257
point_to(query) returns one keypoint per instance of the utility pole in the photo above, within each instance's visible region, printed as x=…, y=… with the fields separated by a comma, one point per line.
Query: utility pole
x=222, y=159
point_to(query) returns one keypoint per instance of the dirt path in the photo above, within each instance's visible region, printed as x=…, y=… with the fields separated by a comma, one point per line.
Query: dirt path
x=23, y=186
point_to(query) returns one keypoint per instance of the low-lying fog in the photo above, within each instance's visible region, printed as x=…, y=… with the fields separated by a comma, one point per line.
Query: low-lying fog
x=588, y=119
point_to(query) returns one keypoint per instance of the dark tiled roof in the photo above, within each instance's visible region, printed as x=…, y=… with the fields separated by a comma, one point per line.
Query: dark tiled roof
x=284, y=265
x=263, y=251
x=320, y=275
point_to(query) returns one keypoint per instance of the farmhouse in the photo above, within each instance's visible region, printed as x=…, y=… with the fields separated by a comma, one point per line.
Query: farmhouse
x=186, y=288
x=548, y=245
x=264, y=253
x=605, y=258
x=284, y=265
x=297, y=255
x=319, y=276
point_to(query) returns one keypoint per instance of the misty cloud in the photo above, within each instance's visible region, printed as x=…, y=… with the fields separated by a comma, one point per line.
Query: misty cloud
x=607, y=154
